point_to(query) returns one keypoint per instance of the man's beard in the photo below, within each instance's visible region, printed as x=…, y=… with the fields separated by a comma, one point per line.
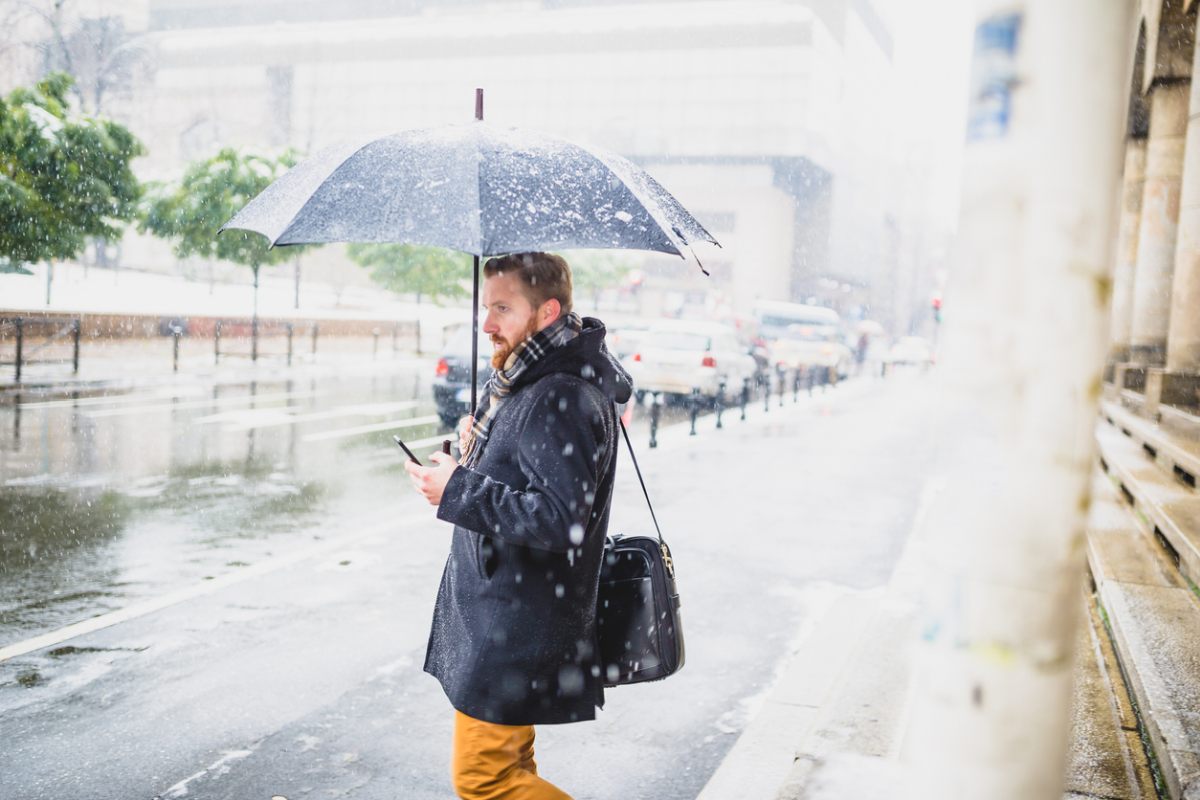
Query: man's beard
x=501, y=354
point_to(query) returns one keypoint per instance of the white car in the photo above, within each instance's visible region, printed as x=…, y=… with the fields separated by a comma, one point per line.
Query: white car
x=911, y=350
x=675, y=357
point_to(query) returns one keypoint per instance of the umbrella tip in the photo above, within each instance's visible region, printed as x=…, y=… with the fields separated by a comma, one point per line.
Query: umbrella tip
x=478, y=103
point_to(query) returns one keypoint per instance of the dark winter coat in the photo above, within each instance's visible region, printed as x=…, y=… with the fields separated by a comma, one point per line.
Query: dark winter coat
x=514, y=629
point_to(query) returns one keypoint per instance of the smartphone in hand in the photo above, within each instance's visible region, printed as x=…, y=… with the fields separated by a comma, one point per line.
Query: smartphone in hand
x=404, y=447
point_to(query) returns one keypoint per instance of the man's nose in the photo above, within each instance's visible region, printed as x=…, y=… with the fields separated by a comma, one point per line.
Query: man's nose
x=489, y=325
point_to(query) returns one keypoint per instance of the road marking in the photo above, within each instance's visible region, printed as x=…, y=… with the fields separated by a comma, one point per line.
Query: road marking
x=378, y=426
x=115, y=399
x=218, y=401
x=270, y=418
x=152, y=605
x=217, y=768
x=248, y=415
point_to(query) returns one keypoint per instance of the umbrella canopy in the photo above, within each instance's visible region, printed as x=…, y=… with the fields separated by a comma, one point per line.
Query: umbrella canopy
x=473, y=188
x=482, y=190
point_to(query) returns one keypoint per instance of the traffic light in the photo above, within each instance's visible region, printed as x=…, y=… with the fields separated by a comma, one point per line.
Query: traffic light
x=937, y=307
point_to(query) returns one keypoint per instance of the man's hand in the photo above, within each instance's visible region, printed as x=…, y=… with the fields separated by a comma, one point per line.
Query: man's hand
x=431, y=481
x=464, y=432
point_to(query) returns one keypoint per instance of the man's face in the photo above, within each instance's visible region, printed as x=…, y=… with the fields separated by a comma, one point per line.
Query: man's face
x=510, y=318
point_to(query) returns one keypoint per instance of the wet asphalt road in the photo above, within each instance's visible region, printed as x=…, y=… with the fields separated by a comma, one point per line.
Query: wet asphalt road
x=297, y=571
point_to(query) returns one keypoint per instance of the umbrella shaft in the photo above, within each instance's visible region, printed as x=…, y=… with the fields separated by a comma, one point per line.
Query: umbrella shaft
x=474, y=335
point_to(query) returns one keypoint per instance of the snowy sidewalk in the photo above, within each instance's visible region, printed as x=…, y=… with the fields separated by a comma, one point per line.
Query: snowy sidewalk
x=148, y=298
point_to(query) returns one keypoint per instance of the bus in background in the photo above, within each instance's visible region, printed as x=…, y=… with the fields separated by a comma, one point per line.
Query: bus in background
x=805, y=337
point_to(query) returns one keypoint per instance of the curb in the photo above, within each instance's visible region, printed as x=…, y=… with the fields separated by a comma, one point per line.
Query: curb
x=766, y=752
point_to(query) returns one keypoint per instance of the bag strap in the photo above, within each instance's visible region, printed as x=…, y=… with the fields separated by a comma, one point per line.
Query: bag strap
x=640, y=480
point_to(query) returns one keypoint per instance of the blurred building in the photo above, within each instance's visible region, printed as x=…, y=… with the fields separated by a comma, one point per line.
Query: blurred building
x=768, y=118
x=1154, y=361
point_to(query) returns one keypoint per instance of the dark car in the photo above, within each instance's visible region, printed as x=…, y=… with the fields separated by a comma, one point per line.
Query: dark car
x=452, y=376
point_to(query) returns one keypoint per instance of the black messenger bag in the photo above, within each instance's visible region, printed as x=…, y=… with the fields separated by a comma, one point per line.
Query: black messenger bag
x=637, y=607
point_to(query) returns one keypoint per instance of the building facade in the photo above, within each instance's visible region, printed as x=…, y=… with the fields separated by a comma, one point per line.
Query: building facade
x=1155, y=351
x=767, y=118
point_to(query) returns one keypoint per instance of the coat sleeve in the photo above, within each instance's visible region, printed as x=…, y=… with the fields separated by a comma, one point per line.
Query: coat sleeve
x=561, y=452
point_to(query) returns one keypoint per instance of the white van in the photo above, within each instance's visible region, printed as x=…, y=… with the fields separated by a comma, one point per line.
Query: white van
x=801, y=336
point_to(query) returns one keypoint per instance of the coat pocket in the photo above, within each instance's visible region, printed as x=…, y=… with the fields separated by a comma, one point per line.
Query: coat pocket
x=485, y=556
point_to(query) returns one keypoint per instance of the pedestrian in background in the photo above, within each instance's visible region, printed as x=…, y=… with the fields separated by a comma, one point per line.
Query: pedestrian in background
x=514, y=641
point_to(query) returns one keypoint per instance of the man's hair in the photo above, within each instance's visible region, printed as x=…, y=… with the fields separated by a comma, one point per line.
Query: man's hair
x=544, y=276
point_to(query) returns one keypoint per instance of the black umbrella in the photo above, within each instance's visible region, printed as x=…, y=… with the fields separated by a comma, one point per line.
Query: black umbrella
x=474, y=188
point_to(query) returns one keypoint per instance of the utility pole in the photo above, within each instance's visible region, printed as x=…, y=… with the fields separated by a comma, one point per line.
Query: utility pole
x=1025, y=339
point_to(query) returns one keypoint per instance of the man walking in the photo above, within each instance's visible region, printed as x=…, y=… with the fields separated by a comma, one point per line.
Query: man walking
x=514, y=629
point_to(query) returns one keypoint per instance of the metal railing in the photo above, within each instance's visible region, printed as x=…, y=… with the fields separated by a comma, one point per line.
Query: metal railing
x=761, y=384
x=33, y=335
x=229, y=330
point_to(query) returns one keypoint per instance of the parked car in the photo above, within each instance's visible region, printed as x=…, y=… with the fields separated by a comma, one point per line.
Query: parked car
x=678, y=356
x=911, y=350
x=623, y=339
x=452, y=375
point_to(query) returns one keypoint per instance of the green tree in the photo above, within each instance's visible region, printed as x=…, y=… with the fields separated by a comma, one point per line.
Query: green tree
x=593, y=271
x=432, y=272
x=64, y=178
x=211, y=191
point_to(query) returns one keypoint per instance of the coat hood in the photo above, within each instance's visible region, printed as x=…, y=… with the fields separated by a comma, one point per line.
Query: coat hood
x=586, y=356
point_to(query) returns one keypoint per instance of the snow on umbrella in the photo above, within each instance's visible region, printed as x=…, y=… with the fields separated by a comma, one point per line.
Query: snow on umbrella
x=474, y=188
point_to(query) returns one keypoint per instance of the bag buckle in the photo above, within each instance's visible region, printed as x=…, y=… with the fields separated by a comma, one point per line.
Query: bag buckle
x=668, y=562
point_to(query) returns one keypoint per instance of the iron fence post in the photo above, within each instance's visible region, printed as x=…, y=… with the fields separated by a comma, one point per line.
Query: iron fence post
x=290, y=330
x=217, y=343
x=745, y=396
x=695, y=404
x=175, y=333
x=76, y=329
x=20, y=324
x=720, y=402
x=654, y=412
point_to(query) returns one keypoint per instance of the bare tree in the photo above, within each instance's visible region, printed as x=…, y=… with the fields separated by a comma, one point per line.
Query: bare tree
x=99, y=52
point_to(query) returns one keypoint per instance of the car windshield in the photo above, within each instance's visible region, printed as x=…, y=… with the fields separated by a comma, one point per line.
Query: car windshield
x=460, y=341
x=679, y=340
x=810, y=333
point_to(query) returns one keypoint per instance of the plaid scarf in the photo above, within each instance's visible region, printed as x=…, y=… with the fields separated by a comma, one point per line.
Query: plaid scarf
x=500, y=385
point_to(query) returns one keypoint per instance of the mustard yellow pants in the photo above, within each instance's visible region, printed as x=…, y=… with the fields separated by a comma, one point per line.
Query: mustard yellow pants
x=495, y=762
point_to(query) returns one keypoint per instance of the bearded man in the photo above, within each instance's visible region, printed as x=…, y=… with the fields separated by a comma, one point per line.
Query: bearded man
x=514, y=629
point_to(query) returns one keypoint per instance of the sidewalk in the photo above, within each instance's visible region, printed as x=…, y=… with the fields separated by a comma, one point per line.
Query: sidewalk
x=77, y=291
x=140, y=363
x=836, y=723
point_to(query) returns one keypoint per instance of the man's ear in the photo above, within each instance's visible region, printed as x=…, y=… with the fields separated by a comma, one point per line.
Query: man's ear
x=551, y=310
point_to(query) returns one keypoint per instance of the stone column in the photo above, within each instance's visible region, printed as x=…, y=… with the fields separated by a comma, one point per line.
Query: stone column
x=1183, y=339
x=1134, y=183
x=1160, y=219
